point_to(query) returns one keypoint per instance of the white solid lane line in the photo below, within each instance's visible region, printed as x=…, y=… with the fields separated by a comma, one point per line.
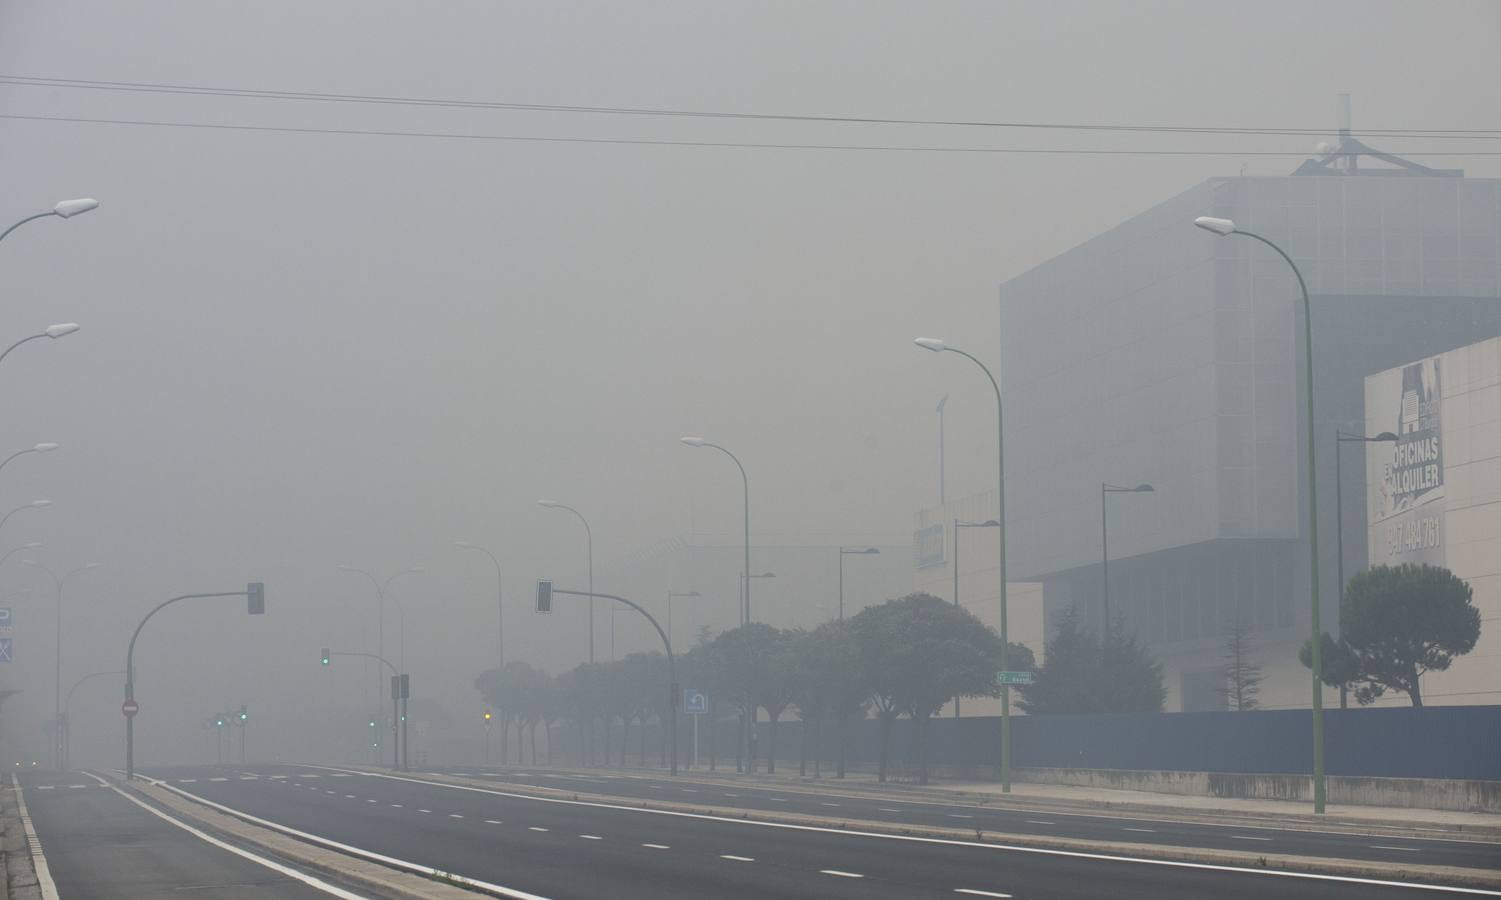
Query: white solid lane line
x=737, y=858
x=306, y=879
x=974, y=893
x=839, y=873
x=45, y=884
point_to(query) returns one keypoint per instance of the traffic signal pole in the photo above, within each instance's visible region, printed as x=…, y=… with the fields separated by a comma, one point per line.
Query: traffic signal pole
x=395, y=701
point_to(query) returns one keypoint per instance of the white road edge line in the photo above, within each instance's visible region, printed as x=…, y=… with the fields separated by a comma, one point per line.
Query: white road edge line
x=309, y=880
x=38, y=860
x=352, y=850
x=1013, y=848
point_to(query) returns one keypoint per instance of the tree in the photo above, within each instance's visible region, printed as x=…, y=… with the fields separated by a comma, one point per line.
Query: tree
x=920, y=652
x=746, y=655
x=1398, y=622
x=1242, y=676
x=1084, y=675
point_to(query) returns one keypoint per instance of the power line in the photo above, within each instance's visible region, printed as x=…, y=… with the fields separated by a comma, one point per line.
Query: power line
x=199, y=90
x=730, y=145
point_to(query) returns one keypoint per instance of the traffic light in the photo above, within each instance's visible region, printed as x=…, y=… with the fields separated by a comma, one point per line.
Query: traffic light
x=544, y=596
x=324, y=656
x=219, y=722
x=372, y=723
x=244, y=714
x=255, y=593
x=488, y=716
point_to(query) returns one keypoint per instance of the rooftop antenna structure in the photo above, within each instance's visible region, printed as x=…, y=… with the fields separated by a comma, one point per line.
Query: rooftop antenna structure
x=1344, y=158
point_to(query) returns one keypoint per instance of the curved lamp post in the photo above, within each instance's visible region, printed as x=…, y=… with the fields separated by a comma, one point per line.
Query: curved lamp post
x=380, y=593
x=35, y=504
x=500, y=616
x=745, y=615
x=1225, y=228
x=938, y=346
x=1105, y=491
x=589, y=536
x=44, y=447
x=62, y=329
x=58, y=581
x=67, y=209
x=14, y=550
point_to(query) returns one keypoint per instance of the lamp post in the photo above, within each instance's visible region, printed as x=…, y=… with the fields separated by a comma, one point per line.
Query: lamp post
x=1224, y=228
x=35, y=504
x=14, y=550
x=380, y=641
x=670, y=595
x=942, y=402
x=938, y=346
x=51, y=331
x=500, y=615
x=60, y=741
x=44, y=447
x=1340, y=439
x=1105, y=491
x=589, y=539
x=851, y=551
x=745, y=615
x=991, y=523
x=67, y=209
x=68, y=714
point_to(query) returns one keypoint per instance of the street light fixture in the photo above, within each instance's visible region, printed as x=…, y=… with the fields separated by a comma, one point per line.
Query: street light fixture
x=1225, y=228
x=59, y=737
x=851, y=551
x=35, y=504
x=745, y=484
x=589, y=539
x=14, y=550
x=938, y=346
x=67, y=209
x=1340, y=439
x=51, y=331
x=500, y=616
x=380, y=593
x=1106, y=490
x=44, y=447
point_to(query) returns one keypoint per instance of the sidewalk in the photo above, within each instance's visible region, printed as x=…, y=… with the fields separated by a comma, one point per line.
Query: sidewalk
x=1481, y=826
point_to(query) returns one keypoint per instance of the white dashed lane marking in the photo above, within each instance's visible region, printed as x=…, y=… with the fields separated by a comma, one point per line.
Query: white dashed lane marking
x=424, y=810
x=974, y=893
x=1247, y=837
x=839, y=873
x=957, y=816
x=886, y=809
x=492, y=822
x=1040, y=822
x=1144, y=830
x=737, y=858
x=656, y=846
x=535, y=828
x=455, y=816
x=396, y=806
x=591, y=837
x=1407, y=849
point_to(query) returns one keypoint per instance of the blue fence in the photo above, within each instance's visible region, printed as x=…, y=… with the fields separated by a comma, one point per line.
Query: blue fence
x=1461, y=742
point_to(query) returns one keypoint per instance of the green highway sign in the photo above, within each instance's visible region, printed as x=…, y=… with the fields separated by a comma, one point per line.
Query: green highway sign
x=1013, y=678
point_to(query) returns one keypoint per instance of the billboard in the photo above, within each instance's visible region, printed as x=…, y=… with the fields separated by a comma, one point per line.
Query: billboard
x=1407, y=502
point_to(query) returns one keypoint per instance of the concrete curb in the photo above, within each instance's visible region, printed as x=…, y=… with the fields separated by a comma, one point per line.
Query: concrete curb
x=17, y=873
x=1160, y=812
x=380, y=881
x=1270, y=862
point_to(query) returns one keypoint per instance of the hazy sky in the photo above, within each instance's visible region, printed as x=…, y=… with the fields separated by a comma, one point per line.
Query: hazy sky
x=307, y=349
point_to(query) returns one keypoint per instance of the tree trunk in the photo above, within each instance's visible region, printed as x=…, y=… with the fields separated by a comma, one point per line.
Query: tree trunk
x=886, y=721
x=844, y=733
x=547, y=734
x=713, y=738
x=818, y=747
x=534, y=743
x=740, y=743
x=802, y=762
x=662, y=722
x=771, y=750
x=505, y=724
x=1416, y=691
x=643, y=740
x=583, y=745
x=922, y=749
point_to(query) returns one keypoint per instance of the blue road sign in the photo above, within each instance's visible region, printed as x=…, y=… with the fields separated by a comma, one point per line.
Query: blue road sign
x=695, y=702
x=4, y=649
x=5, y=619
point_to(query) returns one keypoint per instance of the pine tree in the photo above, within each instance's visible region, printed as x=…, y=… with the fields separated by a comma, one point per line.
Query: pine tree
x=1242, y=676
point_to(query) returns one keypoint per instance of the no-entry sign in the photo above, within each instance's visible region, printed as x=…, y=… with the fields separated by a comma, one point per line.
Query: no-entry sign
x=130, y=708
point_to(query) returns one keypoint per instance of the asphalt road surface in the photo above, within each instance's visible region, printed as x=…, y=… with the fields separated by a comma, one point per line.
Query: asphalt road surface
x=98, y=844
x=808, y=800
x=556, y=848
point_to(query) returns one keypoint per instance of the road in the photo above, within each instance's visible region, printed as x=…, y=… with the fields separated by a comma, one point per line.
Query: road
x=808, y=800
x=97, y=843
x=560, y=848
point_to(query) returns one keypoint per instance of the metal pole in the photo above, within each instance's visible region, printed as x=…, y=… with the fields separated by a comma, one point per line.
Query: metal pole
x=841, y=582
x=956, y=592
x=1339, y=541
x=1315, y=653
x=941, y=492
x=1104, y=565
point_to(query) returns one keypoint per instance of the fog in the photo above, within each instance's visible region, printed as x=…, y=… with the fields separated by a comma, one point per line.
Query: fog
x=305, y=350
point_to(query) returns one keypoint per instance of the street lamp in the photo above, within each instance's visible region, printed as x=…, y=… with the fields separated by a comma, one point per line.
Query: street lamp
x=14, y=550
x=57, y=683
x=938, y=346
x=51, y=331
x=1340, y=439
x=44, y=447
x=35, y=504
x=745, y=484
x=670, y=595
x=380, y=593
x=1224, y=228
x=589, y=538
x=1106, y=490
x=67, y=209
x=991, y=523
x=851, y=551
x=500, y=616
